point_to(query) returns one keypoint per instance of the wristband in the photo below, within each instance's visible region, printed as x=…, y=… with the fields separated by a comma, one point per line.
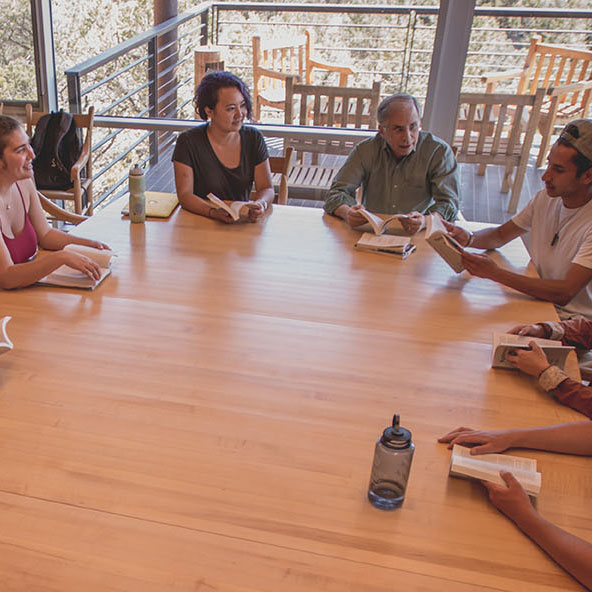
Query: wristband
x=471, y=236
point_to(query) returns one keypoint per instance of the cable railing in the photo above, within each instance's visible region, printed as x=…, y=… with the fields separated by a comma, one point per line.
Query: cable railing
x=151, y=75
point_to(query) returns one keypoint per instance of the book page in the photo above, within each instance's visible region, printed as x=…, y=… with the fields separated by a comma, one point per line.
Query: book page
x=374, y=221
x=488, y=466
x=383, y=241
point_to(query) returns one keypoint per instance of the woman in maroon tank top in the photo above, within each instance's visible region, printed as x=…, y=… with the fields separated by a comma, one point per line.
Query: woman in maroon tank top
x=23, y=224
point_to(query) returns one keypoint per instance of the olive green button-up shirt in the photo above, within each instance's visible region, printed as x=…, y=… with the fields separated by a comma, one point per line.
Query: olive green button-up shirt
x=427, y=180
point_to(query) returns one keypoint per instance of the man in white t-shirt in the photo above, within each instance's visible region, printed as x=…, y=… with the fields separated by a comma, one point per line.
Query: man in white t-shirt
x=559, y=219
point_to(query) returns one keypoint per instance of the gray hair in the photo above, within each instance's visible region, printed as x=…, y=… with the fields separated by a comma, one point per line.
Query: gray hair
x=385, y=105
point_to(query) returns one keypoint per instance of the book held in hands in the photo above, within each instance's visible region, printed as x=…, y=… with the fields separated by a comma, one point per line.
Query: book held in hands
x=486, y=467
x=379, y=225
x=393, y=245
x=67, y=277
x=445, y=245
x=503, y=343
x=235, y=208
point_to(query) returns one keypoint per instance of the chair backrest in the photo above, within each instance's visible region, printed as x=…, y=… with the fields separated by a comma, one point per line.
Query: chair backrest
x=333, y=106
x=279, y=57
x=548, y=65
x=553, y=65
x=496, y=128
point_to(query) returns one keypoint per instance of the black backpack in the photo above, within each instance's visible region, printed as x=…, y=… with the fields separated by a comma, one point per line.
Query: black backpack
x=57, y=147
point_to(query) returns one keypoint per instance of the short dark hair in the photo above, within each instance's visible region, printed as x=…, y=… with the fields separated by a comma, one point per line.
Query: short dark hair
x=582, y=163
x=7, y=126
x=206, y=94
x=385, y=105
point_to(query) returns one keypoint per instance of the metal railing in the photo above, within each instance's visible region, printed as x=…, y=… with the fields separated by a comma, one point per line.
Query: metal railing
x=151, y=75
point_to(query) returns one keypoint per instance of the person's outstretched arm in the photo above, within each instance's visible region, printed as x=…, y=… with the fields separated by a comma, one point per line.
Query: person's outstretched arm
x=570, y=552
x=568, y=438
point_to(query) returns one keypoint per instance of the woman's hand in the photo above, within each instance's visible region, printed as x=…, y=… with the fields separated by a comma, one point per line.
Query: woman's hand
x=220, y=215
x=256, y=209
x=81, y=263
x=98, y=245
x=483, y=442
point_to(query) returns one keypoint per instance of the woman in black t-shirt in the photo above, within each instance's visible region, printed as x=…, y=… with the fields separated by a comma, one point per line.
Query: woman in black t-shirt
x=222, y=156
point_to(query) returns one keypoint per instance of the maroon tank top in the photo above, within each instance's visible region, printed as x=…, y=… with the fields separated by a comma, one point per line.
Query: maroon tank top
x=24, y=245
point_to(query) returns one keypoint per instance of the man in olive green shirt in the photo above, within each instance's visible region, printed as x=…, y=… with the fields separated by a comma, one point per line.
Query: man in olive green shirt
x=402, y=170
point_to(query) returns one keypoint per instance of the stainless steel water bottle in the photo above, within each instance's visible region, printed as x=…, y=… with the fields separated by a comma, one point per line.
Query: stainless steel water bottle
x=137, y=197
x=390, y=470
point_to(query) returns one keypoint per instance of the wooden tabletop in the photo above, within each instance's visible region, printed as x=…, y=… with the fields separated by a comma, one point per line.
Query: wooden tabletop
x=205, y=420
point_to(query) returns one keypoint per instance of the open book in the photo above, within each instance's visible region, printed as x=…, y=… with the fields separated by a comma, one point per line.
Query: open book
x=446, y=246
x=504, y=342
x=5, y=343
x=67, y=277
x=487, y=467
x=395, y=245
x=378, y=224
x=235, y=208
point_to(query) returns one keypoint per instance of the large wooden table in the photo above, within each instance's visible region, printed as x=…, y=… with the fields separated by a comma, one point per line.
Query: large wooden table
x=206, y=419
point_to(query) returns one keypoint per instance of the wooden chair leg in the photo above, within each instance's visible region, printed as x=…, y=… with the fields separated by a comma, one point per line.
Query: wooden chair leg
x=517, y=188
x=481, y=169
x=507, y=180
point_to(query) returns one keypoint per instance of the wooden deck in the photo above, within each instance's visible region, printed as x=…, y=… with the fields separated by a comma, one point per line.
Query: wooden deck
x=481, y=197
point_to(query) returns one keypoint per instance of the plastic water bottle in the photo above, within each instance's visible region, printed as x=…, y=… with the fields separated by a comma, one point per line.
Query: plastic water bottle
x=390, y=470
x=137, y=198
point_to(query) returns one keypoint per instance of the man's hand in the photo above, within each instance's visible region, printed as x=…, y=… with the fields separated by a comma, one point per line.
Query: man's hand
x=353, y=216
x=483, y=442
x=461, y=236
x=413, y=222
x=511, y=499
x=532, y=362
x=531, y=330
x=480, y=265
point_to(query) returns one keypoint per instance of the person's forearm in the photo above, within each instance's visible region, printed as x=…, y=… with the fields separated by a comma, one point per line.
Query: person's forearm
x=341, y=211
x=265, y=194
x=488, y=238
x=24, y=274
x=568, y=438
x=195, y=204
x=569, y=551
x=550, y=290
x=446, y=209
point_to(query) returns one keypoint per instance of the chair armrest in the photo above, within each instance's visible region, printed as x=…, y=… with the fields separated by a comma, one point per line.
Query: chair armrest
x=82, y=160
x=332, y=67
x=563, y=89
x=275, y=74
x=497, y=76
x=59, y=213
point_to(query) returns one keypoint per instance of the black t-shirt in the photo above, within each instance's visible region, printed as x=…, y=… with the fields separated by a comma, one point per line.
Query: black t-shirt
x=193, y=148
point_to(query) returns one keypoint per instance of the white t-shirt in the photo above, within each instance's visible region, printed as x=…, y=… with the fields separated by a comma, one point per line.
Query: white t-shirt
x=545, y=217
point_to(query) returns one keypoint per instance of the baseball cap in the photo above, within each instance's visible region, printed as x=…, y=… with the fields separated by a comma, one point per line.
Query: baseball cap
x=578, y=134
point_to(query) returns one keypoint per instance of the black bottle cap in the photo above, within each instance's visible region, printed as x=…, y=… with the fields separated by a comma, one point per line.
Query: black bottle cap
x=395, y=436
